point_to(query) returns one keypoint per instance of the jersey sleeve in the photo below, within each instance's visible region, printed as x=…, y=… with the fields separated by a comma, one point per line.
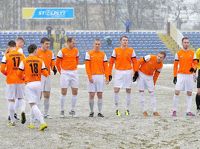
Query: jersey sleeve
x=58, y=60
x=176, y=62
x=112, y=61
x=44, y=70
x=20, y=71
x=87, y=65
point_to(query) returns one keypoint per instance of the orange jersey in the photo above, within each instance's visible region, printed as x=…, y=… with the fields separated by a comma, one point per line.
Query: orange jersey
x=33, y=67
x=48, y=57
x=67, y=59
x=149, y=66
x=184, y=61
x=96, y=63
x=9, y=66
x=124, y=59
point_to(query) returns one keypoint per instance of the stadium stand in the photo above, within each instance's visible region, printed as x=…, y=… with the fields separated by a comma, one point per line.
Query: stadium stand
x=143, y=42
x=194, y=38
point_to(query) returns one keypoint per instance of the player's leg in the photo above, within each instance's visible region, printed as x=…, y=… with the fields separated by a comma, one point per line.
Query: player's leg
x=21, y=102
x=153, y=103
x=73, y=101
x=46, y=95
x=91, y=103
x=46, y=88
x=175, y=102
x=74, y=83
x=118, y=83
x=127, y=83
x=198, y=93
x=189, y=87
x=33, y=92
x=150, y=87
x=11, y=111
x=189, y=104
x=198, y=101
x=116, y=100
x=141, y=83
x=180, y=85
x=142, y=103
x=62, y=101
x=100, y=103
x=99, y=89
x=38, y=115
x=64, y=84
x=128, y=100
x=11, y=96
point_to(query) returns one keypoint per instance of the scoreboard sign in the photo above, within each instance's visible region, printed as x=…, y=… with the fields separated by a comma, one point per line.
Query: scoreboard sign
x=48, y=13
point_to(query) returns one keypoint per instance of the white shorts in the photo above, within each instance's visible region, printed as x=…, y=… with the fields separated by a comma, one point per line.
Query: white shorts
x=14, y=91
x=145, y=82
x=69, y=78
x=185, y=82
x=33, y=92
x=97, y=85
x=46, y=83
x=123, y=78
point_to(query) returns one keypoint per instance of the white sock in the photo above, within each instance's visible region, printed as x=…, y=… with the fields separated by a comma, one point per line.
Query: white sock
x=91, y=104
x=46, y=106
x=128, y=100
x=62, y=102
x=37, y=114
x=153, y=101
x=100, y=104
x=21, y=105
x=142, y=101
x=32, y=118
x=175, y=102
x=116, y=98
x=11, y=110
x=74, y=99
x=189, y=103
x=16, y=106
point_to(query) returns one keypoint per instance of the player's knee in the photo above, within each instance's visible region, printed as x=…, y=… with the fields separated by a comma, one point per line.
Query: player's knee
x=177, y=93
x=11, y=100
x=74, y=91
x=32, y=104
x=99, y=95
x=189, y=93
x=151, y=92
x=128, y=90
x=91, y=94
x=64, y=91
x=46, y=94
x=116, y=90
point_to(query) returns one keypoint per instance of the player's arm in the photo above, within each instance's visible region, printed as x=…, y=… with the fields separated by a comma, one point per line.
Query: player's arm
x=59, y=60
x=77, y=58
x=106, y=67
x=20, y=71
x=44, y=70
x=134, y=62
x=156, y=75
x=87, y=66
x=194, y=64
x=3, y=66
x=53, y=64
x=176, y=63
x=111, y=63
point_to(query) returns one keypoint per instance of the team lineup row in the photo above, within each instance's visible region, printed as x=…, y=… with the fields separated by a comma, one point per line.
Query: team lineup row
x=29, y=77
